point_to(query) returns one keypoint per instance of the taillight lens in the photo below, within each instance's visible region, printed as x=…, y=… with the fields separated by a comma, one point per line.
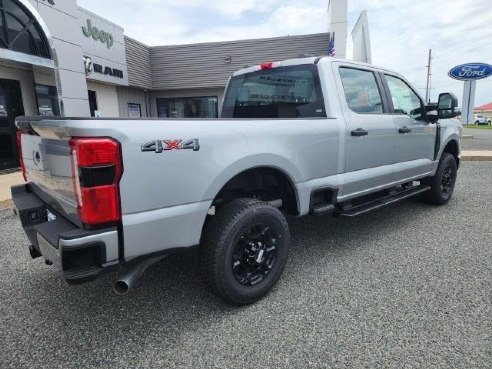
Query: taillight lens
x=21, y=158
x=96, y=171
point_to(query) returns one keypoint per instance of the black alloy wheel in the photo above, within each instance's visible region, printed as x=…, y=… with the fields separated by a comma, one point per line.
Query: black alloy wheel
x=443, y=183
x=447, y=182
x=255, y=254
x=244, y=250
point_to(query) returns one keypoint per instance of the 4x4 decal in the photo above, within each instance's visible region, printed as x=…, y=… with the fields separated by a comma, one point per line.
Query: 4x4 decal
x=159, y=146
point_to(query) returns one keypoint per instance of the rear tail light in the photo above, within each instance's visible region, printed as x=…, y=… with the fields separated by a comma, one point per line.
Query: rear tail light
x=96, y=172
x=21, y=158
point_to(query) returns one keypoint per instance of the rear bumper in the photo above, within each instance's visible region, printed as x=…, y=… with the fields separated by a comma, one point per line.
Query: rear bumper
x=82, y=255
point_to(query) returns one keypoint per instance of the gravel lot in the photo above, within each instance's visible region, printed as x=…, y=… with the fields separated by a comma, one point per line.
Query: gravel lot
x=408, y=286
x=482, y=139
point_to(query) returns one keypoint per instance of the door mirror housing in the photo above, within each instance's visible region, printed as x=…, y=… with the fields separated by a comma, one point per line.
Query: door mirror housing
x=447, y=107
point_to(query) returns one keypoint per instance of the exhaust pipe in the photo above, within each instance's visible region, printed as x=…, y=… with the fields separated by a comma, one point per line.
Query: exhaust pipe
x=130, y=276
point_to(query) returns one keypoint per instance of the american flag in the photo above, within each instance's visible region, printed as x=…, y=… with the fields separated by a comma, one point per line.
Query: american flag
x=331, y=46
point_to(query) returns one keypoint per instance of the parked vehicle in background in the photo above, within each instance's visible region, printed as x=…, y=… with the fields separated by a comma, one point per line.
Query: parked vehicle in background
x=481, y=119
x=308, y=136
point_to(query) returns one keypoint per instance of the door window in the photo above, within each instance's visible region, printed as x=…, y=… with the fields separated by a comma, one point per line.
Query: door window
x=47, y=97
x=361, y=91
x=405, y=100
x=10, y=107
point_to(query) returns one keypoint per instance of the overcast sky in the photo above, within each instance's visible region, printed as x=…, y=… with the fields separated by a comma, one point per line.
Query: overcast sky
x=402, y=31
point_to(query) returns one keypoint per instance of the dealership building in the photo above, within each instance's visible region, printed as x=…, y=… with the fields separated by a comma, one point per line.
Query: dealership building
x=58, y=59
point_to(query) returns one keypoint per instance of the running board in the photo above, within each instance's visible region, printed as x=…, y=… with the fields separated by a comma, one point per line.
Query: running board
x=382, y=201
x=323, y=209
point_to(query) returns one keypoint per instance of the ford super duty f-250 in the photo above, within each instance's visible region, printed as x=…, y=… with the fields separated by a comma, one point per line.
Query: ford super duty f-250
x=306, y=136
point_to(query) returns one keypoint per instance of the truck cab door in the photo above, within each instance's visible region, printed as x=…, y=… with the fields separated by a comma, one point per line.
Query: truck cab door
x=371, y=133
x=416, y=137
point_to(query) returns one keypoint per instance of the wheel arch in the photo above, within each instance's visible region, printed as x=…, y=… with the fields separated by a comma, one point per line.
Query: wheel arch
x=272, y=162
x=452, y=147
x=288, y=190
x=254, y=178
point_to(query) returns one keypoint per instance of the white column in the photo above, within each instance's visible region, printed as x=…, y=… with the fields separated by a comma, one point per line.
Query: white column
x=337, y=23
x=62, y=28
x=361, y=40
x=468, y=102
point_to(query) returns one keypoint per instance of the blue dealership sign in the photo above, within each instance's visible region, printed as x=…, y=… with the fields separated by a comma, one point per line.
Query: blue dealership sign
x=471, y=71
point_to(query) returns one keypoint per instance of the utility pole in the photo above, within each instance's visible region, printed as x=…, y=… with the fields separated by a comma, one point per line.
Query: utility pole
x=429, y=74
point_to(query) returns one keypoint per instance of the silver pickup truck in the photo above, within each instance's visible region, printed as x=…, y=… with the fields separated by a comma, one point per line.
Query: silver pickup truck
x=308, y=136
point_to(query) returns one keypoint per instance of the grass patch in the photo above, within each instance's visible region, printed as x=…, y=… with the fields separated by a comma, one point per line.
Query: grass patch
x=475, y=126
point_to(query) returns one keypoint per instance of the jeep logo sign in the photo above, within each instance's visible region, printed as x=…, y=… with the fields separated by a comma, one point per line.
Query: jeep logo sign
x=97, y=34
x=471, y=71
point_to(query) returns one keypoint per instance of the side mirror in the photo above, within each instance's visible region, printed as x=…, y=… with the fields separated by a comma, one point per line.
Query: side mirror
x=447, y=106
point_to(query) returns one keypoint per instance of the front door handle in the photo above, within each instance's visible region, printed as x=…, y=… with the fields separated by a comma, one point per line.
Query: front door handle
x=404, y=130
x=359, y=132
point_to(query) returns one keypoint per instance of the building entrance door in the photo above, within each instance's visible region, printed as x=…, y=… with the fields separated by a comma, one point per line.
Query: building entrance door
x=10, y=107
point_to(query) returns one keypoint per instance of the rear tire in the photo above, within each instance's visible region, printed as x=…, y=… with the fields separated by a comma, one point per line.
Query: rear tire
x=244, y=250
x=442, y=184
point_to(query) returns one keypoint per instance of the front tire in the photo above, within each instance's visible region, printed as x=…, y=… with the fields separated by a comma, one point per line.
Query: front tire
x=443, y=183
x=244, y=250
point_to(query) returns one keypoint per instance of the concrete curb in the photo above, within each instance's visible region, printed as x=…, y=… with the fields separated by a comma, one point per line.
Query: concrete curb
x=478, y=155
x=476, y=158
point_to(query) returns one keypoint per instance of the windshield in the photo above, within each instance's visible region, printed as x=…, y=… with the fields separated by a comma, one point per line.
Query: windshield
x=285, y=92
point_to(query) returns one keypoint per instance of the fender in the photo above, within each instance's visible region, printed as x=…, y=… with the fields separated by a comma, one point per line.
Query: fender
x=448, y=131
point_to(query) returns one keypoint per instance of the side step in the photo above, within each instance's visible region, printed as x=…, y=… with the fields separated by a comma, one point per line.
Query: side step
x=323, y=209
x=382, y=201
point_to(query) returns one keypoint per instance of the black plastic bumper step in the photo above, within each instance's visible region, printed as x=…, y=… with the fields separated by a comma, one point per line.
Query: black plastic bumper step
x=383, y=201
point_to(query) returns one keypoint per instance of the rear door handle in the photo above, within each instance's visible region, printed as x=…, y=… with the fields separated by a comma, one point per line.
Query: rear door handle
x=404, y=130
x=359, y=132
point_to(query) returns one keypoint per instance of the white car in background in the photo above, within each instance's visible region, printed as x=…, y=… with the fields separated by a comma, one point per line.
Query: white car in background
x=481, y=119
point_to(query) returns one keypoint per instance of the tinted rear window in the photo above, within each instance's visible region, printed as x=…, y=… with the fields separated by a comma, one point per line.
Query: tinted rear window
x=285, y=92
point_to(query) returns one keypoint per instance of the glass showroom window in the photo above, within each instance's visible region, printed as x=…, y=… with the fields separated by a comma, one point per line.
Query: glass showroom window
x=188, y=107
x=19, y=31
x=47, y=97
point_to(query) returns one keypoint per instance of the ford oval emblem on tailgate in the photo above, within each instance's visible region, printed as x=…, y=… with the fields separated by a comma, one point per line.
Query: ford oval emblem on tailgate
x=36, y=157
x=471, y=71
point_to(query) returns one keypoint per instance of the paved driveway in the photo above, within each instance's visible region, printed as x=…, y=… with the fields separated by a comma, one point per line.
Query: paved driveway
x=408, y=286
x=482, y=139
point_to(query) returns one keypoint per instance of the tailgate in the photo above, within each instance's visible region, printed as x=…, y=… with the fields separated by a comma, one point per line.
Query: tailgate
x=48, y=169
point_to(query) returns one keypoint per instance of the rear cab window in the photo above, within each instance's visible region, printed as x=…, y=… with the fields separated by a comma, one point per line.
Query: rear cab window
x=283, y=92
x=361, y=91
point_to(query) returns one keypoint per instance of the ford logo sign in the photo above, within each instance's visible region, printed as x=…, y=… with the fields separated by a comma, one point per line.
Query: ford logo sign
x=471, y=71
